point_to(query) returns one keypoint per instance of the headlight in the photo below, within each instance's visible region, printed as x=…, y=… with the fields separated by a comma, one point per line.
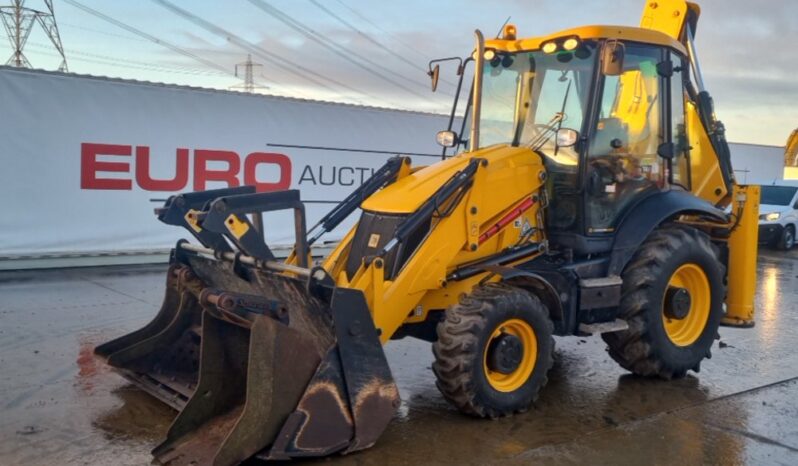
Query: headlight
x=570, y=44
x=771, y=217
x=549, y=47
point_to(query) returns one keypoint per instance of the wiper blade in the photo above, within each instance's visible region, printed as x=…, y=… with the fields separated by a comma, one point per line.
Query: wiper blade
x=562, y=112
x=547, y=132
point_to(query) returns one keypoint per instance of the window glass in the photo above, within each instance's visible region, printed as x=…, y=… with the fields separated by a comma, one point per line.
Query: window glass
x=527, y=96
x=681, y=174
x=777, y=195
x=623, y=158
x=500, y=87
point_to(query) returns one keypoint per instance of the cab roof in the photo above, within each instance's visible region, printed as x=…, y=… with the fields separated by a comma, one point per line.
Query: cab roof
x=628, y=33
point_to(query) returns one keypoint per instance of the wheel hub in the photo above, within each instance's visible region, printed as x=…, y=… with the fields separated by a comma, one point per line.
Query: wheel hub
x=677, y=303
x=505, y=353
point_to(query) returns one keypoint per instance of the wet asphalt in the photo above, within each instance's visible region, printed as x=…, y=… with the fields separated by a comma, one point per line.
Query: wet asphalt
x=60, y=405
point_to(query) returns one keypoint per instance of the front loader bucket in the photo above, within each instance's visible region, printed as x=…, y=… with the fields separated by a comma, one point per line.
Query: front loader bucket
x=259, y=363
x=163, y=357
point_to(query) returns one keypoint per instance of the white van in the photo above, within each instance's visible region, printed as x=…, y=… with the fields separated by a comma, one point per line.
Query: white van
x=778, y=214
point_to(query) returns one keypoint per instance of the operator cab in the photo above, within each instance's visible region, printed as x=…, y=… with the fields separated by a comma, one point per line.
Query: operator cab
x=606, y=115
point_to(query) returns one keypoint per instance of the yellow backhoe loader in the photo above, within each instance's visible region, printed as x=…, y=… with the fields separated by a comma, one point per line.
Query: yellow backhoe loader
x=592, y=194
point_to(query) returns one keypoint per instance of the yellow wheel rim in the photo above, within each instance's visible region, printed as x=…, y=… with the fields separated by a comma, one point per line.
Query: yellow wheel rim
x=685, y=332
x=516, y=379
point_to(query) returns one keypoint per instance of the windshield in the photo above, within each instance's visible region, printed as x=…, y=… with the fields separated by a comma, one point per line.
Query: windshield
x=527, y=96
x=777, y=195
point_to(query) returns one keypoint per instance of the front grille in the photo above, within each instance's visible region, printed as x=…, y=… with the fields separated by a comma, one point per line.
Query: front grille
x=373, y=232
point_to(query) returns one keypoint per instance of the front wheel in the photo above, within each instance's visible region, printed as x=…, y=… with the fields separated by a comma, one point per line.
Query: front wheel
x=787, y=239
x=493, y=352
x=672, y=298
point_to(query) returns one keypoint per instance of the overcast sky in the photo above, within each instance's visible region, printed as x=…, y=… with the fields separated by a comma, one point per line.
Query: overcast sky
x=748, y=49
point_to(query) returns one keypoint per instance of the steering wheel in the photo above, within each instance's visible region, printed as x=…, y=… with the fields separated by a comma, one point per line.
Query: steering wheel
x=607, y=170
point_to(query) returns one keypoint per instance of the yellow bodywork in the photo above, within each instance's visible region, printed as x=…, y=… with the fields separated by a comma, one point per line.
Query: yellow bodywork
x=509, y=176
x=742, y=257
x=705, y=172
x=646, y=36
x=667, y=16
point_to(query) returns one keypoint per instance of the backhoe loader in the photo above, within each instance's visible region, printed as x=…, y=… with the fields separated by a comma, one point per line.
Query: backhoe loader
x=593, y=194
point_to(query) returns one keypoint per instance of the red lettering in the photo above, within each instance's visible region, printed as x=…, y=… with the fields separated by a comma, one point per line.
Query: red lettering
x=89, y=166
x=250, y=171
x=202, y=174
x=147, y=183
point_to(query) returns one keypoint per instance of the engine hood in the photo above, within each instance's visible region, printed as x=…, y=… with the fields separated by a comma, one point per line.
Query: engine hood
x=408, y=194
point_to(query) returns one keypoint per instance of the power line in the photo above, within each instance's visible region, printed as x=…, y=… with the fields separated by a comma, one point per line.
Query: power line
x=270, y=57
x=372, y=40
x=364, y=35
x=153, y=39
x=381, y=29
x=149, y=37
x=105, y=59
x=117, y=64
x=97, y=31
x=333, y=47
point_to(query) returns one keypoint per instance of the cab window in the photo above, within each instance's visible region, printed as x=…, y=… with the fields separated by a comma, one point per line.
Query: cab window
x=623, y=158
x=680, y=164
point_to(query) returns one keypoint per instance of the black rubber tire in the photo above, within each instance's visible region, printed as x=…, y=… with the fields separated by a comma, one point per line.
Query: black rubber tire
x=463, y=336
x=787, y=239
x=645, y=348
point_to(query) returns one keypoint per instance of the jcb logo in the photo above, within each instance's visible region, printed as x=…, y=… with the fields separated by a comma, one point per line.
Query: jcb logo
x=92, y=169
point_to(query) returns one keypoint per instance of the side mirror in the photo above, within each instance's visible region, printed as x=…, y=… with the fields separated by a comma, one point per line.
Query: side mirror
x=447, y=138
x=612, y=58
x=567, y=137
x=434, y=74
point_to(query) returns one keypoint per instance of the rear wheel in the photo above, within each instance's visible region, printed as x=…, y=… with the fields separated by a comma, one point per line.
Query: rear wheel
x=673, y=291
x=787, y=239
x=493, y=351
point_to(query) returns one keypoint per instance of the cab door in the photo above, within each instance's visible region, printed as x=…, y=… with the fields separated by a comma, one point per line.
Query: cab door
x=624, y=162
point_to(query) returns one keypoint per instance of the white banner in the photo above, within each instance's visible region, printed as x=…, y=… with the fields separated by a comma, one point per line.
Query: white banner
x=83, y=157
